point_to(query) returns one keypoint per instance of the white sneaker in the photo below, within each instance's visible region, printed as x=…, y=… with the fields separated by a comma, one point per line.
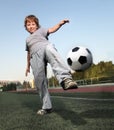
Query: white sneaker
x=44, y=111
x=69, y=84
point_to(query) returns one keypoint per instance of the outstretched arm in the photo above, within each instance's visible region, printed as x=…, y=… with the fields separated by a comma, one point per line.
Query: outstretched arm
x=28, y=64
x=56, y=27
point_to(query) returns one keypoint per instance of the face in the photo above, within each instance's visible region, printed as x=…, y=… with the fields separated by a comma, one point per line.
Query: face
x=31, y=27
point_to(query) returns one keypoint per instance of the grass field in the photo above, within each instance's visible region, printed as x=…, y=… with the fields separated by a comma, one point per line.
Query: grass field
x=72, y=111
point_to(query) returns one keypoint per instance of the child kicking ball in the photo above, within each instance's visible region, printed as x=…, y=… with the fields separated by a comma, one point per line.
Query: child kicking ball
x=40, y=52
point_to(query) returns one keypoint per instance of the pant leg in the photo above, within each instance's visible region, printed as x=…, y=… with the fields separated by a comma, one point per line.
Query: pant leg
x=59, y=67
x=38, y=67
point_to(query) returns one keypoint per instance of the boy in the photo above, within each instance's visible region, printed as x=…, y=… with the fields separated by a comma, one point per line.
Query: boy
x=40, y=52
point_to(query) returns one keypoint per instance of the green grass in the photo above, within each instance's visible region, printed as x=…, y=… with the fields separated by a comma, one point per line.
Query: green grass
x=18, y=112
x=98, y=95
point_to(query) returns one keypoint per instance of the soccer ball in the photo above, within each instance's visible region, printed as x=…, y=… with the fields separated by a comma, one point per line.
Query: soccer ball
x=79, y=58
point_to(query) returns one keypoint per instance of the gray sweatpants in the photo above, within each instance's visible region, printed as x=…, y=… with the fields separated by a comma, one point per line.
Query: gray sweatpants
x=41, y=55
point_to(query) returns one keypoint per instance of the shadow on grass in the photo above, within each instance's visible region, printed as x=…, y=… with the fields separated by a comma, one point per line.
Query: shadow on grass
x=98, y=113
x=74, y=117
x=67, y=112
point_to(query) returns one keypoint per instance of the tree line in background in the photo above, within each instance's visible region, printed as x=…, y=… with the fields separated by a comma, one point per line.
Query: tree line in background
x=12, y=86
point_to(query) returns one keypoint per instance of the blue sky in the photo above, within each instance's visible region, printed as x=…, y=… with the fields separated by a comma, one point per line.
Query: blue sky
x=91, y=25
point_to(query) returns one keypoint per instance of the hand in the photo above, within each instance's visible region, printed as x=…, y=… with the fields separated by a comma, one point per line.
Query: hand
x=64, y=21
x=27, y=71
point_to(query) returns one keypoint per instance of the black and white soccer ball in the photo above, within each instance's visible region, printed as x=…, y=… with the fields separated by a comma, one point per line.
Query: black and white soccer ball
x=79, y=58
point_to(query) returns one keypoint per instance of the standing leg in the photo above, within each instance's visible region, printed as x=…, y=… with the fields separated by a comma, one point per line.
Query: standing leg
x=39, y=72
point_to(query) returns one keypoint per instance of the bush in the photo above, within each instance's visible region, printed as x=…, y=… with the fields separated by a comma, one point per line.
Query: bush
x=9, y=87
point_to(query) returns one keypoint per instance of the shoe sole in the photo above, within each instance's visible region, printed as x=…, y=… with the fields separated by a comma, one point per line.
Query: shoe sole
x=71, y=87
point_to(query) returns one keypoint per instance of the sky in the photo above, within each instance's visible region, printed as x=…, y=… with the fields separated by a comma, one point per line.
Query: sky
x=91, y=25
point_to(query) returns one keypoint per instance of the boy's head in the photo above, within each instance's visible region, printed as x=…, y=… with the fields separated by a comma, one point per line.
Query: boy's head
x=31, y=18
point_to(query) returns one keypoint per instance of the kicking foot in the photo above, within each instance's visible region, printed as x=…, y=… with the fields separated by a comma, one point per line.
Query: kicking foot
x=69, y=84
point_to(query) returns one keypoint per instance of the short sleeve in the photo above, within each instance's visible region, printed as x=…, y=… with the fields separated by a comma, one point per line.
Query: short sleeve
x=45, y=32
x=26, y=47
